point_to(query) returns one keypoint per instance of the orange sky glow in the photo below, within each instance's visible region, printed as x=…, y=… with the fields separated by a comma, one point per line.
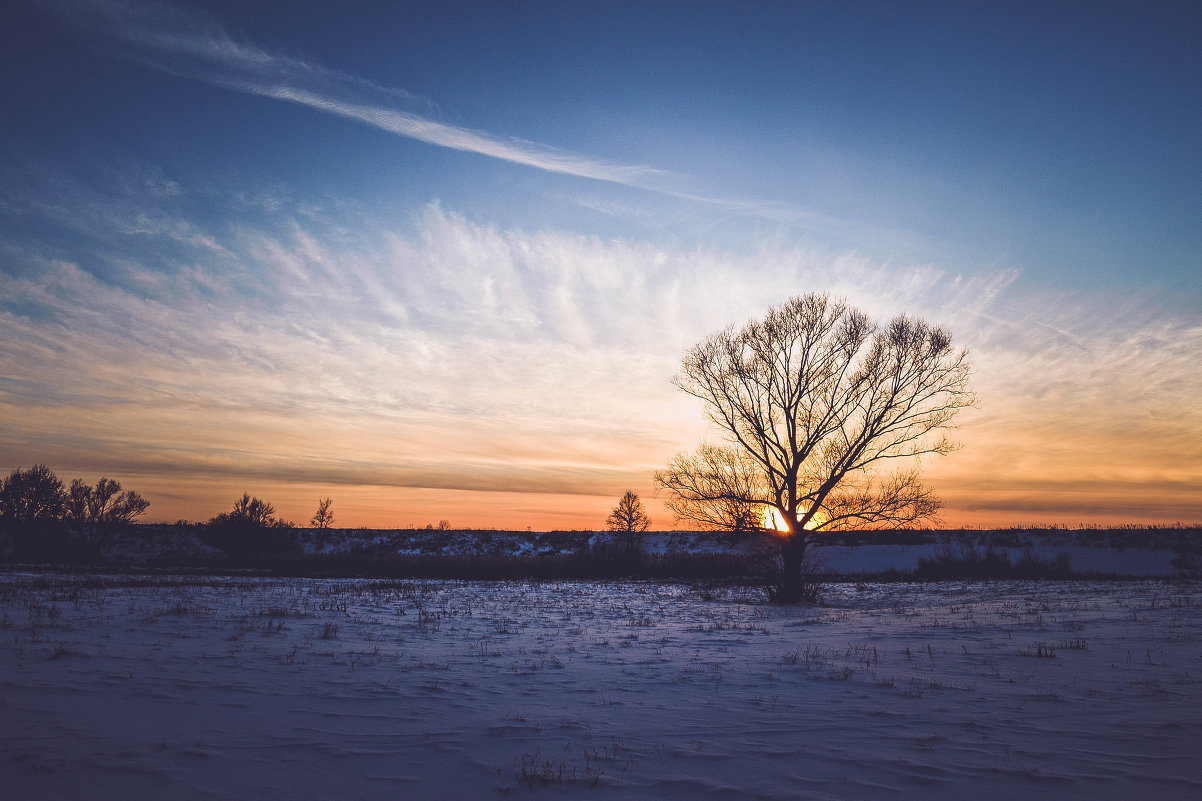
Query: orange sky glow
x=1086, y=416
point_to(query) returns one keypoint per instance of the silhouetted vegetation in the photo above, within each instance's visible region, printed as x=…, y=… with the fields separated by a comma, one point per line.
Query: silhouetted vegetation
x=103, y=504
x=814, y=401
x=249, y=530
x=628, y=518
x=32, y=496
x=40, y=519
x=323, y=518
x=505, y=555
x=43, y=521
x=971, y=563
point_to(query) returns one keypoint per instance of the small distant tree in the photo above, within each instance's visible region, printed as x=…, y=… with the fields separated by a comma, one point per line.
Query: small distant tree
x=32, y=496
x=249, y=529
x=105, y=503
x=94, y=511
x=323, y=518
x=250, y=511
x=629, y=518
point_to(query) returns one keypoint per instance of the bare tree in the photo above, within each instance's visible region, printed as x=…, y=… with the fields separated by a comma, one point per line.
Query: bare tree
x=75, y=502
x=250, y=529
x=250, y=512
x=814, y=401
x=726, y=478
x=323, y=518
x=628, y=517
x=95, y=510
x=104, y=503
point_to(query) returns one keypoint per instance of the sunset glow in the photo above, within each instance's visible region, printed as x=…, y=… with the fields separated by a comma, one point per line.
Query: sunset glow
x=445, y=267
x=773, y=520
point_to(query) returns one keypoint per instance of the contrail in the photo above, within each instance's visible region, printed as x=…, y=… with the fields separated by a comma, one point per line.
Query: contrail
x=192, y=45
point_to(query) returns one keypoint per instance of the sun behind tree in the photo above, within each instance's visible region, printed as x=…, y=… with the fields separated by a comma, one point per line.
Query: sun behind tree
x=815, y=401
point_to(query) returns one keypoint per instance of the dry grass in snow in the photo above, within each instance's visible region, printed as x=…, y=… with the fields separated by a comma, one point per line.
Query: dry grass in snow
x=155, y=687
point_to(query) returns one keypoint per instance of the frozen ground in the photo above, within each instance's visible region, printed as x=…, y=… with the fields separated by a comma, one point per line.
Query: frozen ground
x=262, y=688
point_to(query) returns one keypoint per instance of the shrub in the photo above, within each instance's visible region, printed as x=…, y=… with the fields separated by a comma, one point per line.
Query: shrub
x=32, y=496
x=969, y=563
x=250, y=530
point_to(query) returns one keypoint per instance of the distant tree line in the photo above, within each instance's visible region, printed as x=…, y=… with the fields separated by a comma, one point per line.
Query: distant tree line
x=39, y=515
x=43, y=518
x=37, y=495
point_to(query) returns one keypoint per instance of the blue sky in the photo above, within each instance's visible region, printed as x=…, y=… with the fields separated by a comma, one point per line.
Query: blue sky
x=441, y=262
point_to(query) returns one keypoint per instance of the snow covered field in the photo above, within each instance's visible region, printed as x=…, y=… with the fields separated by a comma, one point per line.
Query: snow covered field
x=194, y=687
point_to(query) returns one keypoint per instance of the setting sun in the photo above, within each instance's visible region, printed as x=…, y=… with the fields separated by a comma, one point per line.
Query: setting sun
x=772, y=520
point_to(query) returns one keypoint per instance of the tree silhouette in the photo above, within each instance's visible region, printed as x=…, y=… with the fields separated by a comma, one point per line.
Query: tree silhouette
x=249, y=529
x=323, y=518
x=813, y=401
x=96, y=510
x=104, y=503
x=251, y=512
x=32, y=496
x=628, y=517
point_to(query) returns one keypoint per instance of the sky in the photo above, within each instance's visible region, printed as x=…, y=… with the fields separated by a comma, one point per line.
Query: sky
x=440, y=261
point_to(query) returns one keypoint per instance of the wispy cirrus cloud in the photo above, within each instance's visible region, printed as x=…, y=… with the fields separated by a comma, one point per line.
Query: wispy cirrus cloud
x=191, y=44
x=323, y=347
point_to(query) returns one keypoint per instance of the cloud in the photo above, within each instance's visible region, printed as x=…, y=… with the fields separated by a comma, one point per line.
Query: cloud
x=322, y=346
x=192, y=45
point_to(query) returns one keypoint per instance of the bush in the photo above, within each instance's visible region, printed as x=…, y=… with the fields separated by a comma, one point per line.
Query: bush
x=249, y=530
x=32, y=496
x=969, y=563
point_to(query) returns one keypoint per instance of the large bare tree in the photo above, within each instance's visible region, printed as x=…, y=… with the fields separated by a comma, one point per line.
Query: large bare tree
x=816, y=403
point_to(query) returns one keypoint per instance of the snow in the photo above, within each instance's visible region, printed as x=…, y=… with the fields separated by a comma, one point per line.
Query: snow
x=166, y=686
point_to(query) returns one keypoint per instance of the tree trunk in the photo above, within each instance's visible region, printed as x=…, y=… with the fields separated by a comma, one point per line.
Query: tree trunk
x=793, y=586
